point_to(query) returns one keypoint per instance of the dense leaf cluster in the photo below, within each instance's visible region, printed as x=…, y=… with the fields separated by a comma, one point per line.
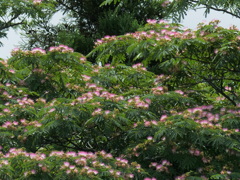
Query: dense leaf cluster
x=65, y=118
x=161, y=103
x=208, y=56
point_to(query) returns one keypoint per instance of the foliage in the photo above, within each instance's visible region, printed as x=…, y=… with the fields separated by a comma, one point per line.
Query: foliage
x=16, y=13
x=207, y=57
x=177, y=9
x=161, y=103
x=69, y=165
x=85, y=21
x=63, y=117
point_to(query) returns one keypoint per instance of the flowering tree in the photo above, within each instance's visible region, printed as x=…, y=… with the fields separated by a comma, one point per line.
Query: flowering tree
x=85, y=21
x=63, y=117
x=207, y=57
x=177, y=9
x=163, y=103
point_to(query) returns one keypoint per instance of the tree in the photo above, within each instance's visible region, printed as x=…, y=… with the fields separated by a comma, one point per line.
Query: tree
x=14, y=13
x=86, y=21
x=206, y=57
x=177, y=9
x=68, y=118
x=162, y=104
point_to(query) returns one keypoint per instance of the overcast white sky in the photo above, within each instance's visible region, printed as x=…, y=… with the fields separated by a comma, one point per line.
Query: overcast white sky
x=190, y=21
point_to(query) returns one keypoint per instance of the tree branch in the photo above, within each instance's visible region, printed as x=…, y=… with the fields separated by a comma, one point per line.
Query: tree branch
x=219, y=90
x=217, y=9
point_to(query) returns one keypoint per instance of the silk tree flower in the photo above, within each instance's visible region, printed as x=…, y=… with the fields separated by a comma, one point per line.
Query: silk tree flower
x=61, y=48
x=38, y=51
x=37, y=2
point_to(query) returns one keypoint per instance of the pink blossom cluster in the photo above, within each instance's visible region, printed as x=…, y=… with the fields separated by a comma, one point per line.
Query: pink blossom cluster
x=14, y=125
x=38, y=70
x=166, y=3
x=61, y=48
x=97, y=92
x=97, y=111
x=13, y=152
x=122, y=162
x=111, y=96
x=105, y=39
x=80, y=163
x=108, y=66
x=166, y=33
x=86, y=78
x=10, y=125
x=25, y=101
x=4, y=62
x=83, y=59
x=3, y=163
x=148, y=178
x=162, y=167
x=182, y=177
x=161, y=78
x=150, y=123
x=37, y=1
x=73, y=169
x=28, y=173
x=179, y=92
x=163, y=31
x=37, y=51
x=195, y=152
x=106, y=113
x=158, y=90
x=137, y=102
x=154, y=21
x=163, y=118
x=139, y=66
x=204, y=117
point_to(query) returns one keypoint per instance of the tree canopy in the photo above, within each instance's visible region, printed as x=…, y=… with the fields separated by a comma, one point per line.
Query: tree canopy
x=158, y=102
x=177, y=9
x=85, y=21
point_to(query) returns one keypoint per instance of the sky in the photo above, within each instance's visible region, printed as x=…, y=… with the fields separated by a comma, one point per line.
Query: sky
x=191, y=21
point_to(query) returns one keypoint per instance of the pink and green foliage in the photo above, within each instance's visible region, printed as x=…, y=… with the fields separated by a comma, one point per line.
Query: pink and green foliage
x=208, y=56
x=62, y=117
x=19, y=164
x=58, y=101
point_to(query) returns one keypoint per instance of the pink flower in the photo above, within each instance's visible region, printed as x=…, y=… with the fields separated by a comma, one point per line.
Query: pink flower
x=95, y=172
x=38, y=50
x=179, y=92
x=11, y=71
x=6, y=110
x=107, y=112
x=151, y=21
x=66, y=164
x=147, y=123
x=51, y=110
x=71, y=167
x=197, y=152
x=37, y=1
x=148, y=101
x=130, y=175
x=163, y=118
x=86, y=78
